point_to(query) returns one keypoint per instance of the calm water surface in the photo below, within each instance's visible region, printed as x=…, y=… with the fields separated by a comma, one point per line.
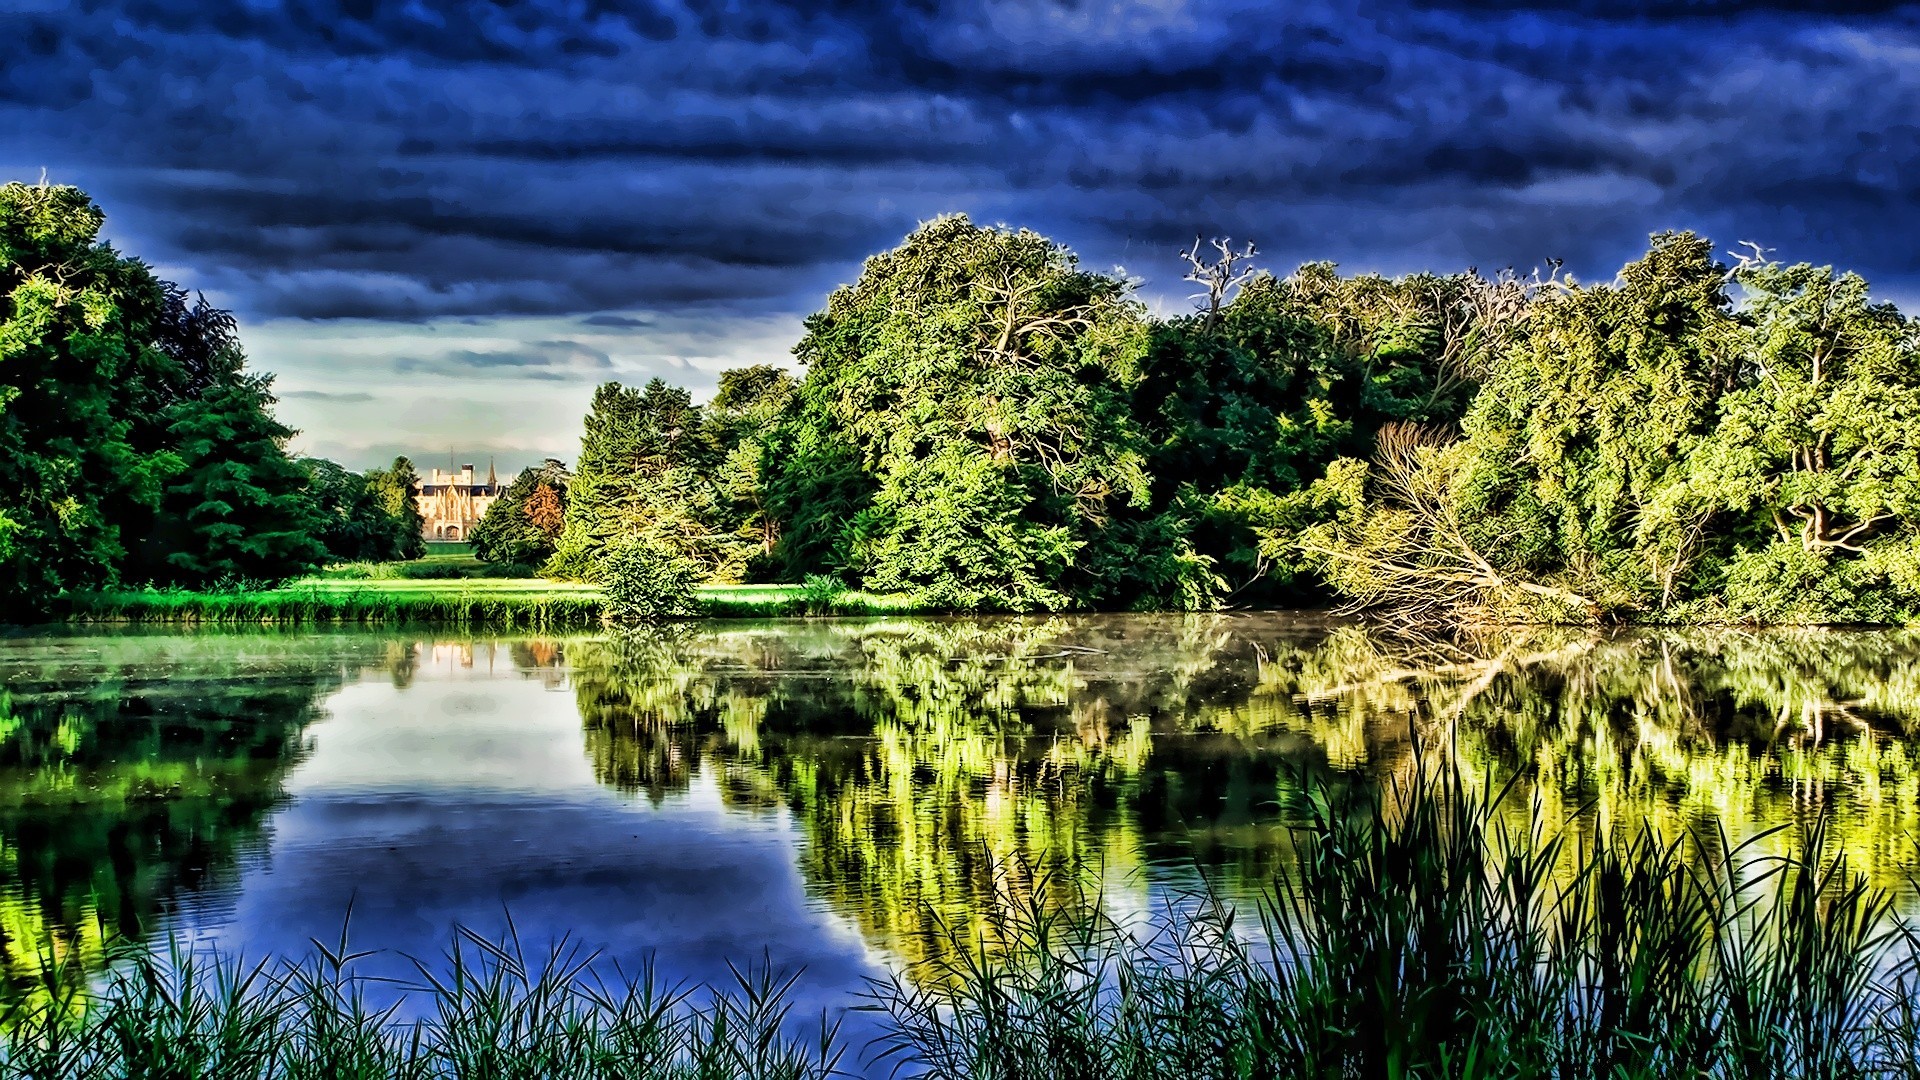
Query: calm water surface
x=837, y=795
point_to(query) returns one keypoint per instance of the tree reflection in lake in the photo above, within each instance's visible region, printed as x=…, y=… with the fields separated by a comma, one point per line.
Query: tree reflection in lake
x=913, y=769
x=134, y=770
x=918, y=755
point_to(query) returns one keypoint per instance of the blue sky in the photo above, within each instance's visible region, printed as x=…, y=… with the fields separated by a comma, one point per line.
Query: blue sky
x=442, y=223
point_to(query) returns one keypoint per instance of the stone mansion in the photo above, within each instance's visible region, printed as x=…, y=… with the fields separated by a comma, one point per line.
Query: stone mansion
x=452, y=503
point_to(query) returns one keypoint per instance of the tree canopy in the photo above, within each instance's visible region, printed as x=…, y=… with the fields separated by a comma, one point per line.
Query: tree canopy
x=134, y=445
x=986, y=425
x=1658, y=448
x=981, y=423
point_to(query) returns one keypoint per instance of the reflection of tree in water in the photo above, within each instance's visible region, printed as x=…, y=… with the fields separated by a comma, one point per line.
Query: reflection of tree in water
x=1680, y=730
x=133, y=768
x=914, y=753
x=917, y=755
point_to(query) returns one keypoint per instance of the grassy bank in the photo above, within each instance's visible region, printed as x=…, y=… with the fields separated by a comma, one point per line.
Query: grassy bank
x=1410, y=937
x=452, y=600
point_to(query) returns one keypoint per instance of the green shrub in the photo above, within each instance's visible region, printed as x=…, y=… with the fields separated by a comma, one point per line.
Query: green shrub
x=819, y=594
x=641, y=583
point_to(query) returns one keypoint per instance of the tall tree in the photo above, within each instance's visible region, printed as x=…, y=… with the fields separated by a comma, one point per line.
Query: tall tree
x=979, y=379
x=65, y=341
x=394, y=491
x=357, y=521
x=117, y=395
x=645, y=472
x=238, y=501
x=523, y=526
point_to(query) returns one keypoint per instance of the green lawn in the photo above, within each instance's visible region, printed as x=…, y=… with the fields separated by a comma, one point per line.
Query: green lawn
x=534, y=603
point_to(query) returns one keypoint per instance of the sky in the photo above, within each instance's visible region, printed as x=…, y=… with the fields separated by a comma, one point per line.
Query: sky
x=443, y=222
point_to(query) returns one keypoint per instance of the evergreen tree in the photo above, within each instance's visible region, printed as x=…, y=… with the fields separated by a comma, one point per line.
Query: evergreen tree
x=647, y=469
x=238, y=501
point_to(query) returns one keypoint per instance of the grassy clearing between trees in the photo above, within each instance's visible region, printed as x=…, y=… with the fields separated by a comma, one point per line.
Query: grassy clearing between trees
x=1409, y=935
x=501, y=603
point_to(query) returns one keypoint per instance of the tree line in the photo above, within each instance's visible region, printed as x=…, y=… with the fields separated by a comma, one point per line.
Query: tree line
x=986, y=425
x=135, y=445
x=981, y=423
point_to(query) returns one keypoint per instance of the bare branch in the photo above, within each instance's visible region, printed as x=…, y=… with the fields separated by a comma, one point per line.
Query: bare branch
x=1218, y=276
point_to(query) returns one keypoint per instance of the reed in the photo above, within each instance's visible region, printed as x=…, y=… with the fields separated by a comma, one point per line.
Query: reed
x=491, y=1013
x=446, y=603
x=1412, y=934
x=495, y=603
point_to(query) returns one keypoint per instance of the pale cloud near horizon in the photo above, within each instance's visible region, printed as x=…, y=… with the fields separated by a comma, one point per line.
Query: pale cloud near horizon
x=361, y=392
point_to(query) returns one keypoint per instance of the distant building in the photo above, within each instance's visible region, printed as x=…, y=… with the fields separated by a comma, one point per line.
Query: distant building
x=452, y=503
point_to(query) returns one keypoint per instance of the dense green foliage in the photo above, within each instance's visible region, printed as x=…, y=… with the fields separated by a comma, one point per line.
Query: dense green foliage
x=355, y=519
x=1653, y=449
x=685, y=479
x=392, y=491
x=984, y=425
x=641, y=582
x=522, y=527
x=134, y=445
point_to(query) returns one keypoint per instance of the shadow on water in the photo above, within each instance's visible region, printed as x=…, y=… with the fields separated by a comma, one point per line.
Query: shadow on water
x=916, y=775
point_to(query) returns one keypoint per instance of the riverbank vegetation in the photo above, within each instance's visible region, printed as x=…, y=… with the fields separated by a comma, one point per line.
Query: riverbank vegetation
x=135, y=445
x=981, y=423
x=1407, y=934
x=453, y=600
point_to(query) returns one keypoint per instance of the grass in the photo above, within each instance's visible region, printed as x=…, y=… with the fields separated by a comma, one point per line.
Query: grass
x=1409, y=935
x=505, y=603
x=491, y=1014
x=434, y=565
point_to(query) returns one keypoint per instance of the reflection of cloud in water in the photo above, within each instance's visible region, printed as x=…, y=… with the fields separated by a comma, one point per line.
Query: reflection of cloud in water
x=688, y=883
x=825, y=789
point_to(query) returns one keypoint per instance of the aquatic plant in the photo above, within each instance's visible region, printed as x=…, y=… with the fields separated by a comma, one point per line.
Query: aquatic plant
x=1410, y=934
x=1413, y=934
x=489, y=1011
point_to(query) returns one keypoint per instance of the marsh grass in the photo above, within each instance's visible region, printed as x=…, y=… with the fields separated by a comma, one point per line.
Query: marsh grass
x=1411, y=934
x=1414, y=935
x=496, y=603
x=501, y=603
x=490, y=1012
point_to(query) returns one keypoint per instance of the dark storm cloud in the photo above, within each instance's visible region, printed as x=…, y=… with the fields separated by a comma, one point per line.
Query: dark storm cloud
x=352, y=158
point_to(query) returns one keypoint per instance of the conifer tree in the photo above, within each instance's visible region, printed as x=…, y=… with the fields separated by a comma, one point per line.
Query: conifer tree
x=240, y=502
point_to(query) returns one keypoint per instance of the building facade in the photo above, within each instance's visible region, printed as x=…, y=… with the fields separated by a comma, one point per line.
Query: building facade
x=452, y=503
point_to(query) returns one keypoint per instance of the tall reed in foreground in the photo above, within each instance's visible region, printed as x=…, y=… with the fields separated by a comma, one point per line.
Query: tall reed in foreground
x=486, y=1012
x=1413, y=933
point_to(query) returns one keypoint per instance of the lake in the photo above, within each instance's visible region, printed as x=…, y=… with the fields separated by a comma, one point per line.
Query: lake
x=845, y=796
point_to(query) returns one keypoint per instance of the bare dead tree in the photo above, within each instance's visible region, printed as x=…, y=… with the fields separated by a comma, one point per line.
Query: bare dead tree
x=1218, y=277
x=1487, y=315
x=1753, y=256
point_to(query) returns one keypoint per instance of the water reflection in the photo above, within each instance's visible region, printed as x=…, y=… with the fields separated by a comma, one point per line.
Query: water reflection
x=916, y=755
x=839, y=792
x=133, y=770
